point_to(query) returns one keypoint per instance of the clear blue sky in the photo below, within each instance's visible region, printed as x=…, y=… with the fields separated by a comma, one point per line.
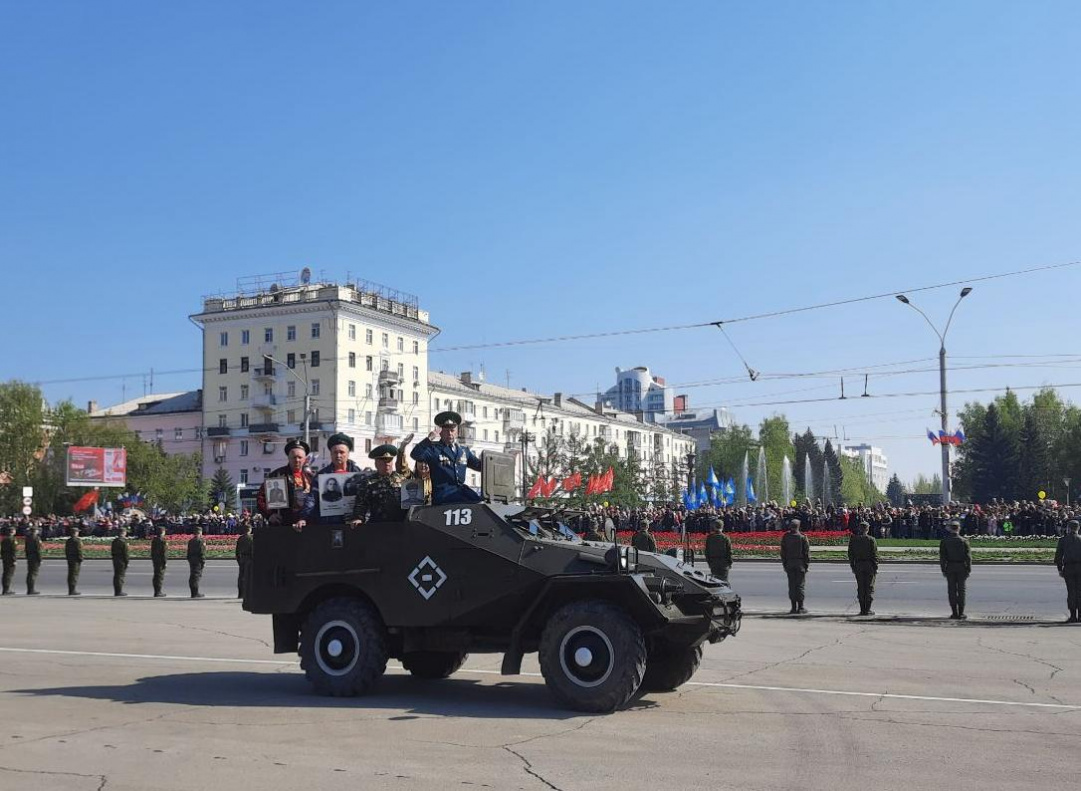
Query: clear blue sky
x=531, y=170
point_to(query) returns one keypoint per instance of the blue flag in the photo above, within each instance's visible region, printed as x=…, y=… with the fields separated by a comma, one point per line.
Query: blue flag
x=712, y=479
x=703, y=497
x=750, y=491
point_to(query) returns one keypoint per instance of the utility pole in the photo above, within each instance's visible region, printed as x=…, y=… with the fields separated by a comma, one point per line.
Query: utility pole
x=525, y=440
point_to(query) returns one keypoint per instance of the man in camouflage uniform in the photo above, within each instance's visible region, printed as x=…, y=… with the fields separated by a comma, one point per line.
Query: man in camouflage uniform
x=7, y=556
x=244, y=549
x=158, y=560
x=718, y=550
x=196, y=561
x=643, y=539
x=379, y=498
x=863, y=558
x=32, y=547
x=955, y=559
x=796, y=559
x=119, y=552
x=73, y=552
x=1068, y=560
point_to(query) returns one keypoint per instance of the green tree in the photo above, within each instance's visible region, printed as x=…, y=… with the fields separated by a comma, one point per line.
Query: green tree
x=23, y=440
x=726, y=453
x=221, y=486
x=806, y=447
x=924, y=485
x=836, y=475
x=776, y=437
x=895, y=491
x=995, y=459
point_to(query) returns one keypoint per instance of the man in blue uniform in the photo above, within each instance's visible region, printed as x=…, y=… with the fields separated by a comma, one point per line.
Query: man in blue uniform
x=448, y=461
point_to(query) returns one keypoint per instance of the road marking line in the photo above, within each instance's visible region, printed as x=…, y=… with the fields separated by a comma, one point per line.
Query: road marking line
x=712, y=684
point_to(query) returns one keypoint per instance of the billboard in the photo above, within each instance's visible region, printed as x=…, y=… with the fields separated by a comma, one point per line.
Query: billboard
x=97, y=467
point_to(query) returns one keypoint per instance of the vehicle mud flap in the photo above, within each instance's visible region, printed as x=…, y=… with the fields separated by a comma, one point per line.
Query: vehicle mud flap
x=286, y=633
x=512, y=661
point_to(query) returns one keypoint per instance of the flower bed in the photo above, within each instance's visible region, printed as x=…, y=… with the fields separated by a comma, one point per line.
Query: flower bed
x=761, y=540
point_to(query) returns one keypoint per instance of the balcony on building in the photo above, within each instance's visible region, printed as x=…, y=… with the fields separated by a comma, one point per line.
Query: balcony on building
x=467, y=410
x=513, y=420
x=264, y=401
x=217, y=431
x=388, y=424
x=388, y=404
x=387, y=376
x=263, y=374
x=262, y=429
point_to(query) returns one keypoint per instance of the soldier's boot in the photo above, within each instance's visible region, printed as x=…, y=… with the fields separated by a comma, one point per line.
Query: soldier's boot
x=795, y=608
x=73, y=592
x=800, y=608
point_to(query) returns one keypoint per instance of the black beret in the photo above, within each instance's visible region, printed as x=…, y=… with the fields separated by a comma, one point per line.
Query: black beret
x=340, y=439
x=297, y=443
x=383, y=452
x=448, y=419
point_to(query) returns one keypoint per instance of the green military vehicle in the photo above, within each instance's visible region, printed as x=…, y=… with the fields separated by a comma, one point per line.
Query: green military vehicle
x=490, y=577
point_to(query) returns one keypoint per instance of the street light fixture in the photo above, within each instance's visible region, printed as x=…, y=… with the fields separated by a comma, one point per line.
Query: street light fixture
x=525, y=439
x=942, y=382
x=307, y=392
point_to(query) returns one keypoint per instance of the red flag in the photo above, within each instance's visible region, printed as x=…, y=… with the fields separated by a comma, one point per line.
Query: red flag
x=593, y=486
x=608, y=481
x=86, y=502
x=549, y=487
x=538, y=487
x=572, y=482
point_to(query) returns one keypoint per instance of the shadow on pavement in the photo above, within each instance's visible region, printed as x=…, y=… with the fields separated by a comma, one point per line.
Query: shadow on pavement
x=458, y=696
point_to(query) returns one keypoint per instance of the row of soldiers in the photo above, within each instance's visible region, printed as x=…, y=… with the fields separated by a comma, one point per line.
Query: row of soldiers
x=73, y=554
x=954, y=553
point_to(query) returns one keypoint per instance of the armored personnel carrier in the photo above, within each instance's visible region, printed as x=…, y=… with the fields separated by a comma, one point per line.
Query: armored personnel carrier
x=490, y=577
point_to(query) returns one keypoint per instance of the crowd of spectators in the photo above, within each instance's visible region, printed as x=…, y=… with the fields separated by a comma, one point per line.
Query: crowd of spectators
x=139, y=525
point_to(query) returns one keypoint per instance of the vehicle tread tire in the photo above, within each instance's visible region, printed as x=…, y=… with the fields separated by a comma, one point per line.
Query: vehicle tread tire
x=628, y=656
x=669, y=667
x=371, y=648
x=433, y=665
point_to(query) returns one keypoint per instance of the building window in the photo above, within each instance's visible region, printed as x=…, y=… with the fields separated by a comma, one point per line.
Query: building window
x=416, y=424
x=158, y=434
x=221, y=421
x=223, y=394
x=315, y=414
x=268, y=335
x=223, y=339
x=416, y=399
x=485, y=412
x=497, y=436
x=291, y=389
x=416, y=347
x=178, y=434
x=401, y=370
x=352, y=359
x=416, y=376
x=245, y=337
x=291, y=360
x=223, y=366
x=198, y=432
x=368, y=362
x=315, y=387
x=352, y=389
x=315, y=359
x=351, y=416
x=291, y=416
x=243, y=419
x=368, y=445
x=368, y=390
x=485, y=435
x=243, y=447
x=315, y=444
x=315, y=329
x=243, y=365
x=367, y=418
x=401, y=343
x=244, y=477
x=384, y=365
x=291, y=332
x=386, y=340
x=268, y=365
x=352, y=332
x=368, y=336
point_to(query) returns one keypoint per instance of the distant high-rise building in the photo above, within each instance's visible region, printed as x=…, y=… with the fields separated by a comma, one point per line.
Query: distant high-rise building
x=637, y=391
x=873, y=461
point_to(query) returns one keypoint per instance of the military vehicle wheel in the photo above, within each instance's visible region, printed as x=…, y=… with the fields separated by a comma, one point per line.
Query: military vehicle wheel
x=669, y=667
x=592, y=656
x=433, y=664
x=343, y=647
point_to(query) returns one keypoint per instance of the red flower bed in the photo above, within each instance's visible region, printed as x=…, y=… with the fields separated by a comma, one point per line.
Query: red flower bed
x=760, y=540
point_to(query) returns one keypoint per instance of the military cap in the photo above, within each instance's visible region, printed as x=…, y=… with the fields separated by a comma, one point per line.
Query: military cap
x=385, y=452
x=643, y=524
x=793, y=523
x=297, y=443
x=447, y=419
x=340, y=439
x=953, y=523
x=717, y=523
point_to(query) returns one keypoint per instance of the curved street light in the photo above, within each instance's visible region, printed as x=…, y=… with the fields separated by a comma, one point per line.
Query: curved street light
x=941, y=381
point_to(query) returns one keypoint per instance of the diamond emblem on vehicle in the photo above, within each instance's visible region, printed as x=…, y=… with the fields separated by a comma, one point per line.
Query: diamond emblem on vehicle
x=427, y=578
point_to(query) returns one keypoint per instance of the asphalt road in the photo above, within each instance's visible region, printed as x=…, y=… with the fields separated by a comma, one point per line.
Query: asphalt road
x=909, y=589
x=178, y=695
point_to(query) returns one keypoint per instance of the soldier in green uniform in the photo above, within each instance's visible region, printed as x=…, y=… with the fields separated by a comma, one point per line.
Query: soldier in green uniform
x=796, y=559
x=196, y=561
x=591, y=533
x=7, y=557
x=158, y=560
x=643, y=539
x=73, y=552
x=32, y=547
x=863, y=558
x=119, y=552
x=718, y=550
x=1068, y=560
x=379, y=498
x=244, y=547
x=955, y=559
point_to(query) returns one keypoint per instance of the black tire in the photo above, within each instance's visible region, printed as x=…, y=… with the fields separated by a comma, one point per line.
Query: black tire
x=669, y=667
x=343, y=647
x=592, y=656
x=433, y=664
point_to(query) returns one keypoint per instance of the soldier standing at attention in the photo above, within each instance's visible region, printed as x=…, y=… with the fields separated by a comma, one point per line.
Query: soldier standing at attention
x=196, y=561
x=379, y=498
x=955, y=558
x=718, y=550
x=863, y=558
x=32, y=547
x=643, y=540
x=158, y=559
x=7, y=556
x=796, y=559
x=244, y=548
x=1068, y=560
x=119, y=551
x=73, y=552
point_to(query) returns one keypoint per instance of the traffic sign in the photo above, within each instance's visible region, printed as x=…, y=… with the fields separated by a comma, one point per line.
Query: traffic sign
x=28, y=491
x=27, y=510
x=28, y=501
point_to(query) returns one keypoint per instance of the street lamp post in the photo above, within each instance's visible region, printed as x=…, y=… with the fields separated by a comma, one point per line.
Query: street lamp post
x=941, y=384
x=307, y=393
x=525, y=440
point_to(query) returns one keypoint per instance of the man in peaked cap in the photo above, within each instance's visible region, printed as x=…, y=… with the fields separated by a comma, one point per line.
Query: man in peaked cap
x=718, y=550
x=796, y=559
x=955, y=560
x=863, y=560
x=448, y=461
x=298, y=486
x=1068, y=561
x=340, y=446
x=379, y=498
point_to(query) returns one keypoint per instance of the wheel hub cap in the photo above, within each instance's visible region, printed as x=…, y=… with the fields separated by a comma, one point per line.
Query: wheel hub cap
x=586, y=656
x=337, y=648
x=583, y=657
